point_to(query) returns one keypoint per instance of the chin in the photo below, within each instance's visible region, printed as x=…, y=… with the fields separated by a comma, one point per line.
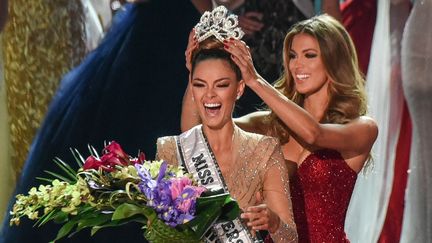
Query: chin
x=302, y=91
x=215, y=125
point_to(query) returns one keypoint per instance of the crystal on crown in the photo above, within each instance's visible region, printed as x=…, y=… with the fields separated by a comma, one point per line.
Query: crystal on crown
x=218, y=23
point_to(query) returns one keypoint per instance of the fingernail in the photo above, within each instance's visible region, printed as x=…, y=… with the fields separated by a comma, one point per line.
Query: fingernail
x=226, y=47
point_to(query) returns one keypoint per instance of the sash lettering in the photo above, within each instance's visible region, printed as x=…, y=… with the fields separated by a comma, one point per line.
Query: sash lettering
x=201, y=167
x=195, y=154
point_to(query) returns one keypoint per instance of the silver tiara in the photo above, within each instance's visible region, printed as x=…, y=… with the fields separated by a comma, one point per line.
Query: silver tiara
x=218, y=23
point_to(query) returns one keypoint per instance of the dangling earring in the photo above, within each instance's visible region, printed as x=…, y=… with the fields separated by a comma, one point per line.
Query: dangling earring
x=238, y=97
x=193, y=99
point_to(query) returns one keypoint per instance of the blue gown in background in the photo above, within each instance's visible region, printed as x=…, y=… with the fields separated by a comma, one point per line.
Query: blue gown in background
x=129, y=89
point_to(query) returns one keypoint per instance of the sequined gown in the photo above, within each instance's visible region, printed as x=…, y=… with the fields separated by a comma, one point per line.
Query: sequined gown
x=258, y=166
x=321, y=190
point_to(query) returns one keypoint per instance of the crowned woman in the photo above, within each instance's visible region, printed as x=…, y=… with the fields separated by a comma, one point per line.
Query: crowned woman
x=219, y=154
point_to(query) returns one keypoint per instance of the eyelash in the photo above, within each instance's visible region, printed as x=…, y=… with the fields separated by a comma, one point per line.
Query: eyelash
x=307, y=55
x=310, y=55
x=199, y=85
x=222, y=85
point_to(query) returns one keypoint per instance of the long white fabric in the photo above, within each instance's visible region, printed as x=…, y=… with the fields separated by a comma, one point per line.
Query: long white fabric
x=368, y=206
x=417, y=84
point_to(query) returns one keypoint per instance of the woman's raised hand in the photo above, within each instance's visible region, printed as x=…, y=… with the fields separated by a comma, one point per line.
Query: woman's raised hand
x=241, y=55
x=192, y=44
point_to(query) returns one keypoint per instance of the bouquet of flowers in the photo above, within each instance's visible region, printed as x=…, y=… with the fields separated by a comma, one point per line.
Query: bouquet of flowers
x=115, y=189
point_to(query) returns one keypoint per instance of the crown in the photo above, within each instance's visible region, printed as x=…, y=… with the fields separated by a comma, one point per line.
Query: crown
x=218, y=23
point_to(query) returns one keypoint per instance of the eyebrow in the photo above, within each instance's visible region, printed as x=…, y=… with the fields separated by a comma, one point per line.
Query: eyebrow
x=305, y=50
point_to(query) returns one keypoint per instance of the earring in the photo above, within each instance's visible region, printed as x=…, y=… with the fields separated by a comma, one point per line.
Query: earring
x=193, y=99
x=238, y=97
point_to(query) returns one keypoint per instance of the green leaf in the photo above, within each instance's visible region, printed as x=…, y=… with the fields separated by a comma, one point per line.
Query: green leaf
x=46, y=217
x=95, y=229
x=78, y=158
x=159, y=232
x=66, y=228
x=140, y=219
x=45, y=179
x=60, y=217
x=127, y=210
x=66, y=168
x=230, y=210
x=60, y=177
x=93, y=151
x=92, y=220
x=210, y=209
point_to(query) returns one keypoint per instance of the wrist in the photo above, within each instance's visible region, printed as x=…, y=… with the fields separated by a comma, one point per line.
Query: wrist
x=275, y=226
x=253, y=83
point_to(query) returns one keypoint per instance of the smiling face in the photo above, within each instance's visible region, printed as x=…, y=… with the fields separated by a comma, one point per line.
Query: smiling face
x=215, y=89
x=306, y=65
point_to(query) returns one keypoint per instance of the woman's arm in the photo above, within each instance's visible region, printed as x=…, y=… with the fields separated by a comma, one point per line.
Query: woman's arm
x=274, y=213
x=356, y=137
x=202, y=5
x=189, y=114
x=230, y=4
x=332, y=8
x=3, y=13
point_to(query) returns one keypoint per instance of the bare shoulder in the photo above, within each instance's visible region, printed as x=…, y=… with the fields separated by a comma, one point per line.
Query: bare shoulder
x=254, y=122
x=367, y=124
x=364, y=132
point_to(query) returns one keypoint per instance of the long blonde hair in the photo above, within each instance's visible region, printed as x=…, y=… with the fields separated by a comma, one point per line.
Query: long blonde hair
x=347, y=98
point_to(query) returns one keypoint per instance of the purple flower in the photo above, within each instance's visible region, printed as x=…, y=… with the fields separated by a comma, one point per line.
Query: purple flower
x=177, y=186
x=172, y=198
x=162, y=171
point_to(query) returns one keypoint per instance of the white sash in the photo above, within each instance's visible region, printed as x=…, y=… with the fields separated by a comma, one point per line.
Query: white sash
x=196, y=157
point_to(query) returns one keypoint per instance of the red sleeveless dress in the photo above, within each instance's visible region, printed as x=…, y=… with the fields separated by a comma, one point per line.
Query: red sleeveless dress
x=321, y=190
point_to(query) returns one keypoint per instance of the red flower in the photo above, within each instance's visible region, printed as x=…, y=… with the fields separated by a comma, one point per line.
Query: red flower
x=139, y=160
x=115, y=150
x=113, y=155
x=92, y=163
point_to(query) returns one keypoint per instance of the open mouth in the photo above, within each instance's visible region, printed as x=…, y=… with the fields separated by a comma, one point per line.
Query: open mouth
x=212, y=108
x=302, y=77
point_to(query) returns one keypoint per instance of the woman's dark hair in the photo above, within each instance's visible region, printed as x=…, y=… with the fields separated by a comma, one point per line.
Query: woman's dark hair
x=212, y=48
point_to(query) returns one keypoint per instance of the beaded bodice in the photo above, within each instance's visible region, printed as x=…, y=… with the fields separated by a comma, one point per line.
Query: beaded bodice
x=321, y=190
x=258, y=161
